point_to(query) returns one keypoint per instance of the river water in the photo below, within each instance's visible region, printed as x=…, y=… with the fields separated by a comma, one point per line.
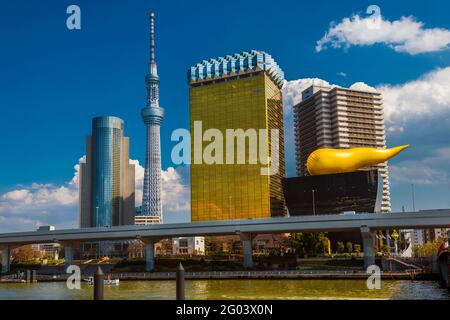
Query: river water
x=233, y=289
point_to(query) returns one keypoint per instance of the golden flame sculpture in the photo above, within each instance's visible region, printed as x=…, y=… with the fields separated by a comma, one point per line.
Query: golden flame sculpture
x=331, y=161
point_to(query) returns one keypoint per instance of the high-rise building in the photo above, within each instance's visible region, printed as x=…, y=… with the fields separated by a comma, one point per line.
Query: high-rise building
x=240, y=91
x=106, y=179
x=336, y=117
x=152, y=115
x=146, y=220
x=47, y=250
x=417, y=237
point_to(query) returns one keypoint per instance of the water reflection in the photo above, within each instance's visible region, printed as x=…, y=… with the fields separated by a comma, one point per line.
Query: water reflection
x=234, y=289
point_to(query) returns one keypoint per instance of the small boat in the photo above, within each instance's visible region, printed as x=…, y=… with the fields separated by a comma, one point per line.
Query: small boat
x=106, y=282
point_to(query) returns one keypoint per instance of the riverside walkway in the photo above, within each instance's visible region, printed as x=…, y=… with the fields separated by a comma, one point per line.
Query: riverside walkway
x=254, y=275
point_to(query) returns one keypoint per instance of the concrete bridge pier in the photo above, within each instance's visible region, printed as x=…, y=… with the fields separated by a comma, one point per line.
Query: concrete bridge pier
x=368, y=237
x=6, y=262
x=149, y=253
x=68, y=254
x=247, y=239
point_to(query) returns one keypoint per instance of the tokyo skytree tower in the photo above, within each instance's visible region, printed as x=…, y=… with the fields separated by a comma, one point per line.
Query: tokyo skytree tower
x=152, y=115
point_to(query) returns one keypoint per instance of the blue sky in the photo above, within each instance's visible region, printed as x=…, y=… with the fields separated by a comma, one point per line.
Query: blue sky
x=53, y=81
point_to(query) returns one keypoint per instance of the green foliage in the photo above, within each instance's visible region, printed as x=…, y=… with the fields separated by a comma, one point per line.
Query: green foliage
x=385, y=250
x=349, y=247
x=308, y=243
x=52, y=262
x=23, y=254
x=357, y=248
x=427, y=250
x=340, y=247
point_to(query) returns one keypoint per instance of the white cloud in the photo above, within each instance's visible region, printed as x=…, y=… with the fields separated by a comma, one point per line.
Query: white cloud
x=404, y=35
x=431, y=170
x=38, y=199
x=23, y=195
x=342, y=74
x=139, y=181
x=74, y=181
x=39, y=204
x=427, y=97
x=361, y=86
x=175, y=194
x=26, y=208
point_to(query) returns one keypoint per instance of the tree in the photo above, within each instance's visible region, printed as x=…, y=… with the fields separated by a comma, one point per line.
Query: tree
x=24, y=254
x=325, y=242
x=428, y=249
x=416, y=249
x=340, y=247
x=385, y=250
x=209, y=246
x=295, y=242
x=357, y=248
x=308, y=243
x=235, y=246
x=349, y=247
x=166, y=246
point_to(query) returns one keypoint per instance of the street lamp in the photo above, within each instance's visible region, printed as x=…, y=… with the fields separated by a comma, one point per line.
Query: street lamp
x=229, y=205
x=96, y=225
x=314, y=201
x=413, y=198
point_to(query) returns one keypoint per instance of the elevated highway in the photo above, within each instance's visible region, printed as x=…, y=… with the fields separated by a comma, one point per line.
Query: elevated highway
x=367, y=224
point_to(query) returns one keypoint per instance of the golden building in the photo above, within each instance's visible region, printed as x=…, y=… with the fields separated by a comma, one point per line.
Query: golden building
x=242, y=91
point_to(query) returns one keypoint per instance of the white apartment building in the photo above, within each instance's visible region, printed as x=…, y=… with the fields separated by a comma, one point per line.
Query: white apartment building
x=417, y=237
x=336, y=117
x=188, y=246
x=49, y=250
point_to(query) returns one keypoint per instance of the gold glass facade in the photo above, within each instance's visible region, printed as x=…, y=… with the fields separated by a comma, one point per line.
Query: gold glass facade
x=236, y=191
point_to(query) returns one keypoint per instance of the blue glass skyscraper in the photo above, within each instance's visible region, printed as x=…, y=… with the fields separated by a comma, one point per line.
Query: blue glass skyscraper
x=107, y=145
x=107, y=177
